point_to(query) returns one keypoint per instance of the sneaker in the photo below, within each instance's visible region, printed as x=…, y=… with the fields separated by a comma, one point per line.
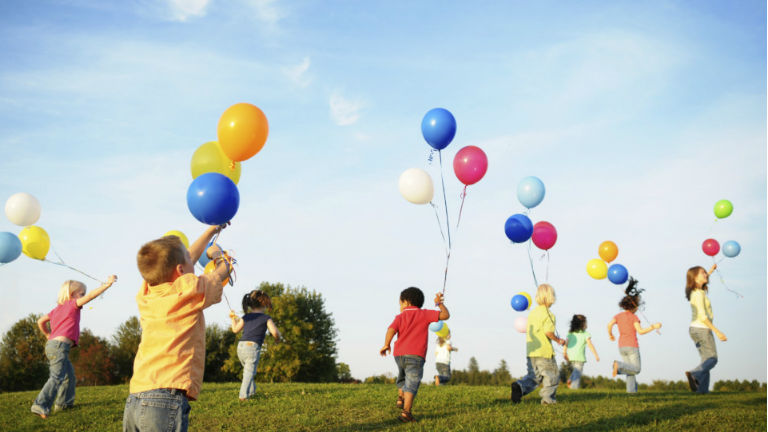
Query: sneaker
x=517, y=393
x=57, y=408
x=692, y=382
x=38, y=410
x=548, y=402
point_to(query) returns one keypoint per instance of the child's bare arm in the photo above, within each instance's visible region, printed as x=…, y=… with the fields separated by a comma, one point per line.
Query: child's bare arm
x=642, y=331
x=198, y=247
x=592, y=348
x=273, y=329
x=42, y=324
x=610, y=329
x=712, y=269
x=555, y=339
x=387, y=342
x=97, y=292
x=237, y=323
x=444, y=314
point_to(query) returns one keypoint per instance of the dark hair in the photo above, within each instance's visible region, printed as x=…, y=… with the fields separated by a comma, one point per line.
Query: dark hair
x=413, y=296
x=632, y=298
x=578, y=323
x=690, y=281
x=256, y=299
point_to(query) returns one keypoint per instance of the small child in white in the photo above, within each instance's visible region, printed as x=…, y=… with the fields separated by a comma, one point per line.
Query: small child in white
x=578, y=340
x=443, y=359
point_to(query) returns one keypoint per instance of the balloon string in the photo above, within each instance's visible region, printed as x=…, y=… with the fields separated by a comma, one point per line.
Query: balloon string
x=445, y=201
x=722, y=281
x=439, y=225
x=535, y=281
x=431, y=155
x=648, y=321
x=445, y=276
x=546, y=278
x=63, y=264
x=461, y=208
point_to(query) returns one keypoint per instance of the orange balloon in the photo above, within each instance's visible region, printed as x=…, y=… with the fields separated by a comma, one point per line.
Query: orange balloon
x=242, y=131
x=210, y=267
x=608, y=251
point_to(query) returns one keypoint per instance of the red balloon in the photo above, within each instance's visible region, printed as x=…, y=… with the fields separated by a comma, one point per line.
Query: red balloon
x=710, y=247
x=470, y=165
x=544, y=235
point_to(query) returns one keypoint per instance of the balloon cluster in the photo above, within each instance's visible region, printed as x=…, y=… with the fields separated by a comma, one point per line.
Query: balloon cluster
x=519, y=228
x=440, y=328
x=521, y=302
x=598, y=268
x=711, y=247
x=23, y=209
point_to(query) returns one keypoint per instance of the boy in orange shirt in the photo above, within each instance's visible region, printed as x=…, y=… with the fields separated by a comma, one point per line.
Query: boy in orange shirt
x=168, y=370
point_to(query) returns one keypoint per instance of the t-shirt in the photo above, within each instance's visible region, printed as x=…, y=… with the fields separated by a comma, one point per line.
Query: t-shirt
x=171, y=353
x=540, y=322
x=65, y=321
x=700, y=308
x=412, y=328
x=627, y=333
x=254, y=327
x=577, y=344
x=443, y=353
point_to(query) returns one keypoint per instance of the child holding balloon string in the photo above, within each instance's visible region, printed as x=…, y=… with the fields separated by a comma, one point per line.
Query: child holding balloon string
x=578, y=340
x=443, y=358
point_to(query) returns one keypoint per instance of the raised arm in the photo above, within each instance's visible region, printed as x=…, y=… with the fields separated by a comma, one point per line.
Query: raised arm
x=273, y=330
x=642, y=331
x=97, y=292
x=712, y=269
x=42, y=324
x=198, y=247
x=444, y=314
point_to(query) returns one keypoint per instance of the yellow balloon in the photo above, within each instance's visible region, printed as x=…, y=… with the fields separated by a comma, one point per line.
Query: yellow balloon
x=180, y=235
x=444, y=332
x=209, y=268
x=34, y=242
x=528, y=296
x=210, y=158
x=597, y=268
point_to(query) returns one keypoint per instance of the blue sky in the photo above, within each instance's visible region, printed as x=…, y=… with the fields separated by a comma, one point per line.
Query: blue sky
x=638, y=117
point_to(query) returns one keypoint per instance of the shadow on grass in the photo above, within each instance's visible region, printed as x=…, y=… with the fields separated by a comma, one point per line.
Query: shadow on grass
x=648, y=417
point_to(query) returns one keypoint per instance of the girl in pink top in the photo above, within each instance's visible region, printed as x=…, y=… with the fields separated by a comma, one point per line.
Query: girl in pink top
x=629, y=327
x=62, y=328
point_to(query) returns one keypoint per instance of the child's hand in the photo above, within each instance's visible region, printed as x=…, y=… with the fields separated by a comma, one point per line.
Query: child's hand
x=232, y=314
x=384, y=350
x=611, y=336
x=657, y=326
x=438, y=299
x=597, y=358
x=110, y=280
x=218, y=228
x=721, y=336
x=213, y=249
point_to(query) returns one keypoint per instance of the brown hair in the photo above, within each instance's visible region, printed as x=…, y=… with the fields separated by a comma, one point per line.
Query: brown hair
x=690, y=281
x=158, y=259
x=256, y=299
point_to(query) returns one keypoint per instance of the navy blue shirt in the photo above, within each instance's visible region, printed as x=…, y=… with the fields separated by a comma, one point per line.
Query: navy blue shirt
x=254, y=327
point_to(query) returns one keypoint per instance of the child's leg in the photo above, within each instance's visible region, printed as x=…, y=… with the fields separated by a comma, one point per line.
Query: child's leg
x=705, y=343
x=66, y=394
x=546, y=370
x=57, y=353
x=414, y=370
x=248, y=356
x=161, y=409
x=530, y=381
x=630, y=366
x=578, y=367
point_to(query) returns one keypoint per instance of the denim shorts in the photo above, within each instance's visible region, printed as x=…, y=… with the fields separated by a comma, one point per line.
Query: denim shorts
x=443, y=372
x=156, y=410
x=410, y=369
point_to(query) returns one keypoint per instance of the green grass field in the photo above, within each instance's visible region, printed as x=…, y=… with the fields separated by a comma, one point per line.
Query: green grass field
x=350, y=407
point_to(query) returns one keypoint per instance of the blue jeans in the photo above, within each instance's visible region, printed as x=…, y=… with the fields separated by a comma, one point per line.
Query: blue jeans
x=249, y=354
x=156, y=410
x=410, y=369
x=705, y=343
x=578, y=368
x=443, y=372
x=60, y=387
x=630, y=366
x=541, y=370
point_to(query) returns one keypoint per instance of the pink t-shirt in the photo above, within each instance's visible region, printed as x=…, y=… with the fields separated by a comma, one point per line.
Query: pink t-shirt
x=627, y=333
x=65, y=321
x=412, y=328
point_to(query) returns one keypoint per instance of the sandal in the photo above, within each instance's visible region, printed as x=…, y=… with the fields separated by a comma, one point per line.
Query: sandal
x=405, y=417
x=400, y=402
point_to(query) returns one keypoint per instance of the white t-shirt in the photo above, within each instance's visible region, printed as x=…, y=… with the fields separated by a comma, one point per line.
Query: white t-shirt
x=443, y=353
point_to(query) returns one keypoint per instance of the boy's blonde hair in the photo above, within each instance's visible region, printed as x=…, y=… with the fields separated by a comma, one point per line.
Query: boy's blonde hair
x=158, y=259
x=67, y=288
x=545, y=295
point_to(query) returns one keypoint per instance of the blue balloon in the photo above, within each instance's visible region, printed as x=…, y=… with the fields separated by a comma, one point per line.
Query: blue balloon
x=519, y=302
x=530, y=192
x=617, y=274
x=213, y=199
x=438, y=127
x=518, y=228
x=436, y=326
x=731, y=248
x=204, y=260
x=10, y=247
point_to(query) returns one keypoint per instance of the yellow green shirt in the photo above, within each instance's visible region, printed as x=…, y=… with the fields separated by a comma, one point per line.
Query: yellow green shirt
x=701, y=308
x=540, y=322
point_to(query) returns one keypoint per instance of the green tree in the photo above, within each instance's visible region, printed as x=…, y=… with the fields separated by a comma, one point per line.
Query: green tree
x=23, y=365
x=218, y=341
x=93, y=365
x=501, y=375
x=125, y=343
x=343, y=373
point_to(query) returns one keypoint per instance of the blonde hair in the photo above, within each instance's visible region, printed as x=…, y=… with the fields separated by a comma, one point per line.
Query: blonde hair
x=158, y=259
x=545, y=295
x=69, y=287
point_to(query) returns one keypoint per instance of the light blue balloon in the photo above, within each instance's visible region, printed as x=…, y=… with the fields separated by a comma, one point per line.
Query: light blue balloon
x=10, y=247
x=436, y=326
x=530, y=192
x=731, y=248
x=204, y=260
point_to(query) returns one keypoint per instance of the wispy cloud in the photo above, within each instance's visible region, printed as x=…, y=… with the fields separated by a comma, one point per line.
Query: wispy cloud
x=298, y=73
x=182, y=10
x=344, y=111
x=267, y=12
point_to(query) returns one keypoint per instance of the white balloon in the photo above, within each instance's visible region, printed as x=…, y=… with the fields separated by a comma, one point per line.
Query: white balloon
x=22, y=209
x=521, y=323
x=416, y=186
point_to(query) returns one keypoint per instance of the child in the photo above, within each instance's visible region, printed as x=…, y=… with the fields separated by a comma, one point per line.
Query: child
x=62, y=328
x=168, y=370
x=254, y=325
x=443, y=359
x=542, y=367
x=578, y=339
x=411, y=327
x=629, y=327
x=701, y=327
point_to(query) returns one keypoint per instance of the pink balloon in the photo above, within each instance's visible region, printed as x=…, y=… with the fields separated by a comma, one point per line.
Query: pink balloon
x=470, y=165
x=710, y=247
x=521, y=323
x=544, y=235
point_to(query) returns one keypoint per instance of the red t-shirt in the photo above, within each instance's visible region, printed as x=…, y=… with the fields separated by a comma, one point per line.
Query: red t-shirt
x=65, y=321
x=627, y=333
x=412, y=328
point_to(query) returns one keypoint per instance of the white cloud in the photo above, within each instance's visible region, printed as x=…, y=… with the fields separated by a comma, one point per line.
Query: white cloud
x=182, y=10
x=267, y=12
x=298, y=73
x=344, y=111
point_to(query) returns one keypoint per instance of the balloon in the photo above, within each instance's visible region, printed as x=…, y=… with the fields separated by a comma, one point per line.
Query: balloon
x=470, y=165
x=521, y=323
x=723, y=209
x=731, y=248
x=10, y=247
x=530, y=192
x=213, y=199
x=416, y=186
x=210, y=158
x=608, y=251
x=180, y=235
x=527, y=297
x=438, y=127
x=444, y=331
x=617, y=274
x=518, y=228
x=710, y=247
x=597, y=268
x=34, y=242
x=22, y=209
x=242, y=131
x=436, y=326
x=544, y=235
x=519, y=302
x=210, y=267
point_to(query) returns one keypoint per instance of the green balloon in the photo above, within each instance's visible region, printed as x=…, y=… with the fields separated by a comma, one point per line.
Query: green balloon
x=723, y=209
